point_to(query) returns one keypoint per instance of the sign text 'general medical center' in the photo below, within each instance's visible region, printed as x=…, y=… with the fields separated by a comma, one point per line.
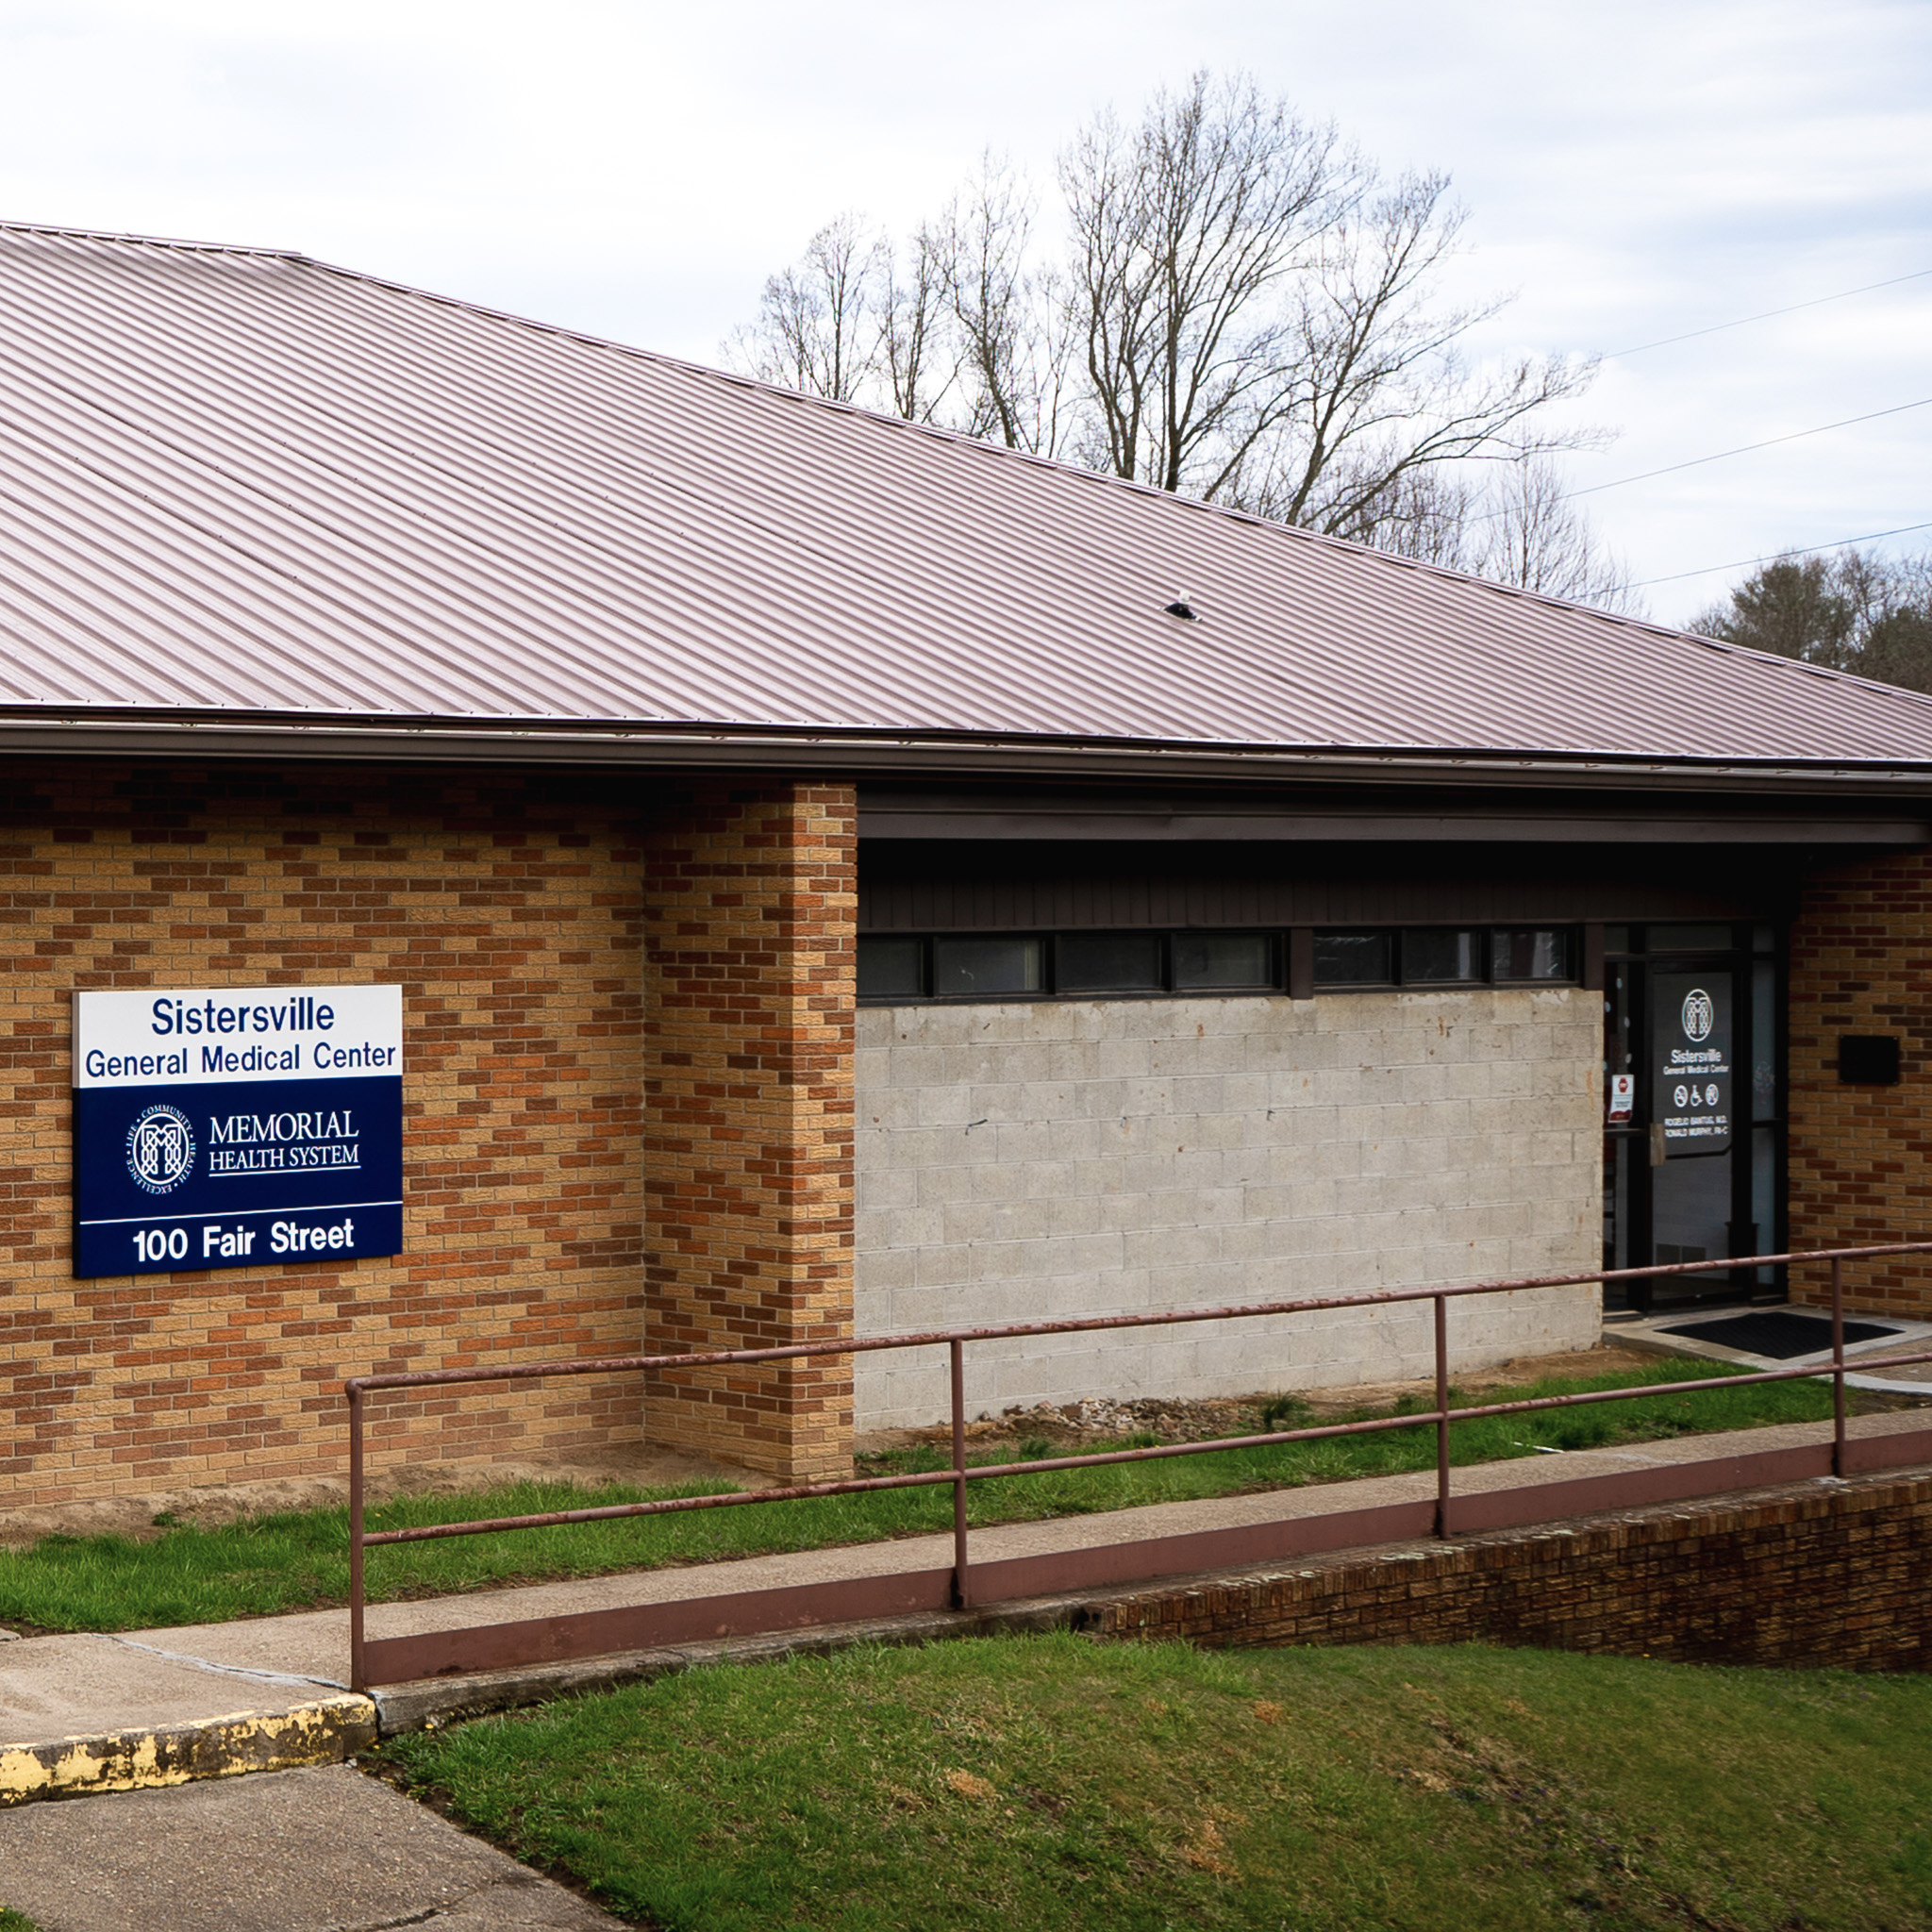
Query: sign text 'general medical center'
x=229, y=1127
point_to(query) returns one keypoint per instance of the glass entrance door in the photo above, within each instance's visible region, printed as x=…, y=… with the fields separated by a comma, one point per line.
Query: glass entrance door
x=1693, y=1127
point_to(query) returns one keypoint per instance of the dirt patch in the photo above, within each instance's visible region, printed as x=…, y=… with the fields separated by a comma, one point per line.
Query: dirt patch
x=1174, y=1418
x=210, y=1504
x=1607, y=1359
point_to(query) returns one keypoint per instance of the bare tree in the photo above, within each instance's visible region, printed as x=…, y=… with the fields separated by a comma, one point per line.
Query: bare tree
x=1509, y=521
x=817, y=328
x=1430, y=515
x=1378, y=389
x=915, y=355
x=1008, y=315
x=1185, y=231
x=1246, y=311
x=1532, y=535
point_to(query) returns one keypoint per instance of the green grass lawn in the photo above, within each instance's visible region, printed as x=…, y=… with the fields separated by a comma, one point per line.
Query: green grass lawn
x=13, y=1921
x=265, y=1564
x=1054, y=1783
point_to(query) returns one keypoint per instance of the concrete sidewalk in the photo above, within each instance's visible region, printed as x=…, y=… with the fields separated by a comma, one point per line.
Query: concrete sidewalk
x=328, y=1850
x=157, y=1707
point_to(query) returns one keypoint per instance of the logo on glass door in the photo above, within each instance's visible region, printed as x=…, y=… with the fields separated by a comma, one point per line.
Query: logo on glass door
x=1700, y=1014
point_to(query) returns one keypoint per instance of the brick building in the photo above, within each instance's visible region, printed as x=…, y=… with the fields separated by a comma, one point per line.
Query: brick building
x=845, y=878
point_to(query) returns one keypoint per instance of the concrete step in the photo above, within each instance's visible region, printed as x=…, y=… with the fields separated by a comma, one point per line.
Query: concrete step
x=97, y=1713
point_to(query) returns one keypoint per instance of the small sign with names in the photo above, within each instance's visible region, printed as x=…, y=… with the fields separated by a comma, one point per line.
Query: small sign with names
x=1692, y=1097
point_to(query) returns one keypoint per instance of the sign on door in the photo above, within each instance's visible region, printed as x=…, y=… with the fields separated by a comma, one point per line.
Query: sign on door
x=1692, y=1101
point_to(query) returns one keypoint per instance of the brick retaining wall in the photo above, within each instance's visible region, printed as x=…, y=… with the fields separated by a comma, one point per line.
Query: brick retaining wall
x=1816, y=1574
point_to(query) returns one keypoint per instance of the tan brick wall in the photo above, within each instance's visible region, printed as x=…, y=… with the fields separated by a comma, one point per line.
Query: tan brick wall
x=509, y=911
x=1861, y=962
x=752, y=896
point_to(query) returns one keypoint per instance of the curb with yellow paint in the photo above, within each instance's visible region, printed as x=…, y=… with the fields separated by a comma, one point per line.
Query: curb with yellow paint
x=325, y=1731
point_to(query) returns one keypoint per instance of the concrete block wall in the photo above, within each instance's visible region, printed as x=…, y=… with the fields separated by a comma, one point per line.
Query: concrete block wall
x=1029, y=1162
x=1860, y=1157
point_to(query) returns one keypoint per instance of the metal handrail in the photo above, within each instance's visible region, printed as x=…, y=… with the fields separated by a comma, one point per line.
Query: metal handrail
x=356, y=1387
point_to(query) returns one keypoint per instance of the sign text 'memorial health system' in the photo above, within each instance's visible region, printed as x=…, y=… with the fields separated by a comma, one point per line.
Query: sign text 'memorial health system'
x=223, y=1127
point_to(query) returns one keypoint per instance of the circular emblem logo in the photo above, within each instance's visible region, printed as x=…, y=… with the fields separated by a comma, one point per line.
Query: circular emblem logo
x=161, y=1149
x=1700, y=1014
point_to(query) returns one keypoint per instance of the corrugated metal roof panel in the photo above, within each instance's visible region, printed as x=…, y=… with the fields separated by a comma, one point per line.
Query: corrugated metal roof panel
x=244, y=482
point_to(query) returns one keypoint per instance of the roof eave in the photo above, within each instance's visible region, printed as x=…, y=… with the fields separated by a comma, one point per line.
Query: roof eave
x=725, y=746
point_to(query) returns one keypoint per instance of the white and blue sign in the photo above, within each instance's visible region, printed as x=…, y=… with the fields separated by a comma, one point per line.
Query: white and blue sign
x=229, y=1127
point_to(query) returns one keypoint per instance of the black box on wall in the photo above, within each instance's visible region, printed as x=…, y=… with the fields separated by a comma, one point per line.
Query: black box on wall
x=1868, y=1059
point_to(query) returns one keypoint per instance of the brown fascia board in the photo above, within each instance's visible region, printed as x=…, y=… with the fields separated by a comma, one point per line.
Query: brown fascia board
x=654, y=746
x=1341, y=827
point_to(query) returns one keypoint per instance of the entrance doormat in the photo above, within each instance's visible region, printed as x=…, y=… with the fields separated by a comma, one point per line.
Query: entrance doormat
x=1777, y=1335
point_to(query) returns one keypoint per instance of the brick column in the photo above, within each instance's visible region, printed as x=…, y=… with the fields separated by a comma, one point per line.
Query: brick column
x=1860, y=1169
x=751, y=898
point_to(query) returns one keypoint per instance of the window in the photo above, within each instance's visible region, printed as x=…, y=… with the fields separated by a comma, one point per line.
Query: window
x=1109, y=962
x=894, y=967
x=1435, y=956
x=1217, y=961
x=1534, y=954
x=1354, y=958
x=986, y=968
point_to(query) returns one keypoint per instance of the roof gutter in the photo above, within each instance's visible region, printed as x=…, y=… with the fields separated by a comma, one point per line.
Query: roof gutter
x=671, y=748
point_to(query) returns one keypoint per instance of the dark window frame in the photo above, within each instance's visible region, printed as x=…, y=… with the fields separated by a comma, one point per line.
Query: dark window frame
x=1480, y=934
x=1163, y=956
x=1275, y=945
x=933, y=997
x=1280, y=953
x=1567, y=938
x=923, y=951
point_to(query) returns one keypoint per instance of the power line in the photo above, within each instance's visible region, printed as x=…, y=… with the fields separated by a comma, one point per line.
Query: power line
x=1778, y=555
x=1745, y=449
x=1765, y=315
x=1692, y=462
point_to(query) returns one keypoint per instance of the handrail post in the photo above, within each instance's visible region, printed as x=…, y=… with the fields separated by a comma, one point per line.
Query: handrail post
x=358, y=1677
x=1838, y=1368
x=1441, y=1305
x=962, y=1595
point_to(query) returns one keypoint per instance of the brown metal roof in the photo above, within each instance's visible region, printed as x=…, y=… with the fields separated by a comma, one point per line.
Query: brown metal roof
x=243, y=485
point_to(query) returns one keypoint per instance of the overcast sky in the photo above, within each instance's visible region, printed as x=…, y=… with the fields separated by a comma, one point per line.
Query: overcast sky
x=1634, y=171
